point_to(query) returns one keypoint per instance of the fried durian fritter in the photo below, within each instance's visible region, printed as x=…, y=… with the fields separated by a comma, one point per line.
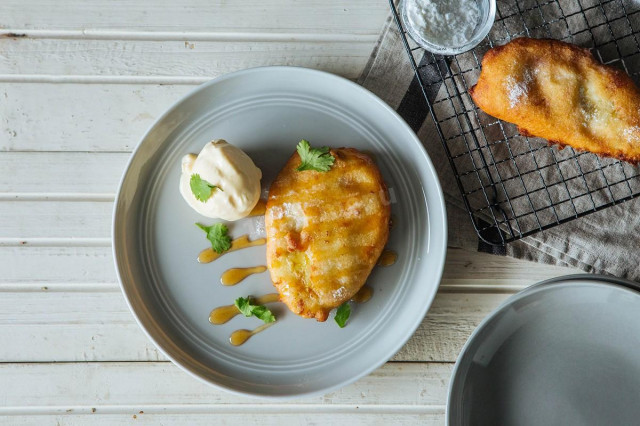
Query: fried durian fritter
x=325, y=231
x=560, y=92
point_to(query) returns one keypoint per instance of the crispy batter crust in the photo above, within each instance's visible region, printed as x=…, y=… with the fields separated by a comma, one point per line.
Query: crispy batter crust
x=559, y=92
x=325, y=231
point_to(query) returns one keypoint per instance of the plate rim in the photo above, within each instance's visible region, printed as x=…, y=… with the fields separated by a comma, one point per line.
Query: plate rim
x=564, y=280
x=437, y=210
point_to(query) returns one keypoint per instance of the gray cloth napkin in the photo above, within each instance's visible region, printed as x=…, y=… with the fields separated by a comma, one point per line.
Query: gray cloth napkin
x=601, y=242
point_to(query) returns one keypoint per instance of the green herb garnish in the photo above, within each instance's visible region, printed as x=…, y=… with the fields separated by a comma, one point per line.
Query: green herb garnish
x=217, y=234
x=317, y=159
x=247, y=309
x=201, y=189
x=342, y=314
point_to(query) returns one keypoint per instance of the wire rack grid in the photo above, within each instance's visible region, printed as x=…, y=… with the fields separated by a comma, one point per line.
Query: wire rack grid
x=514, y=186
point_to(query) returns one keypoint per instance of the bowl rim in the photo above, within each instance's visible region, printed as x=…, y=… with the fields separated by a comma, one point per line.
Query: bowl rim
x=539, y=286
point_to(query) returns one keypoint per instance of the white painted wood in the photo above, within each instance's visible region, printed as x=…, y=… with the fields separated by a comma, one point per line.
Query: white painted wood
x=63, y=308
x=73, y=221
x=104, y=393
x=254, y=16
x=76, y=342
x=471, y=271
x=148, y=386
x=181, y=35
x=449, y=323
x=25, y=56
x=80, y=117
x=100, y=393
x=259, y=416
x=77, y=174
x=68, y=266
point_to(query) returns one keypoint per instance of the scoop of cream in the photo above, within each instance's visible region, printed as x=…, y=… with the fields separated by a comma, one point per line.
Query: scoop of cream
x=232, y=171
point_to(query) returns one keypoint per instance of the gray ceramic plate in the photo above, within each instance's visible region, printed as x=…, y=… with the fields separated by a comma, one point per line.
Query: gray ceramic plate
x=266, y=111
x=563, y=352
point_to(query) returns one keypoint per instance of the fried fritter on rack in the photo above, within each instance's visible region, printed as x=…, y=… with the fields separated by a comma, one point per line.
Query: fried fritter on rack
x=560, y=92
x=325, y=231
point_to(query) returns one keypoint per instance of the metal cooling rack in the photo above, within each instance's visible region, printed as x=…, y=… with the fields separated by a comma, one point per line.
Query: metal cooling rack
x=511, y=185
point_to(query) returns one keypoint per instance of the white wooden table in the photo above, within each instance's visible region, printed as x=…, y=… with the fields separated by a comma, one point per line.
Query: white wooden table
x=81, y=80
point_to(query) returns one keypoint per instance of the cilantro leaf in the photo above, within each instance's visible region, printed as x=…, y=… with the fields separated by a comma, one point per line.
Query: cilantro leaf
x=201, y=189
x=247, y=309
x=342, y=314
x=217, y=234
x=317, y=159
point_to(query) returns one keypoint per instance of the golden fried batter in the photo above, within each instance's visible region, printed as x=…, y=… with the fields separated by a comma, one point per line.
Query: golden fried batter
x=558, y=91
x=325, y=231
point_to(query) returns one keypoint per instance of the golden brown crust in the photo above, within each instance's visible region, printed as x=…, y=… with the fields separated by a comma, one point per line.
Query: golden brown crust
x=560, y=92
x=325, y=231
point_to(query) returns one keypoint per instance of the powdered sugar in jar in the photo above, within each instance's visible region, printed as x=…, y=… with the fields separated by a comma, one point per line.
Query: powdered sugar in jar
x=447, y=27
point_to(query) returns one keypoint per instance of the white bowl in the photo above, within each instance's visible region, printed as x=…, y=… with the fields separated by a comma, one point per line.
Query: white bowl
x=562, y=352
x=487, y=10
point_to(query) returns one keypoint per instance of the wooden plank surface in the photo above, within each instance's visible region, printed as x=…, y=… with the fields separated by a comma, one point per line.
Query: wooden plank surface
x=260, y=415
x=78, y=175
x=252, y=16
x=176, y=58
x=70, y=220
x=100, y=393
x=62, y=266
x=98, y=117
x=141, y=385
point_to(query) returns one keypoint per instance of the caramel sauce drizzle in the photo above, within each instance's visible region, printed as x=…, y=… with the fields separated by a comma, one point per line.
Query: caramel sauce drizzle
x=234, y=275
x=222, y=314
x=208, y=255
x=259, y=209
x=238, y=337
x=388, y=258
x=363, y=295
